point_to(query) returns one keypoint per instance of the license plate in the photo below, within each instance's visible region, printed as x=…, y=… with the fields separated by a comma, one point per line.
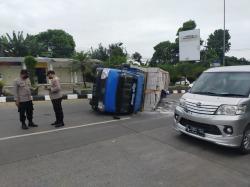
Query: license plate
x=195, y=130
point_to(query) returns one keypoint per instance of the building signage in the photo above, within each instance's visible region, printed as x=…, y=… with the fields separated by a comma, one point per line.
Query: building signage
x=189, y=45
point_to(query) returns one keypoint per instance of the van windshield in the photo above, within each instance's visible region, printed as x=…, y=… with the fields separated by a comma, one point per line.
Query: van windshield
x=225, y=84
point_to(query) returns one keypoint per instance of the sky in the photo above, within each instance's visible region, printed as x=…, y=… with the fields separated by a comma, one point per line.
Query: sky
x=139, y=24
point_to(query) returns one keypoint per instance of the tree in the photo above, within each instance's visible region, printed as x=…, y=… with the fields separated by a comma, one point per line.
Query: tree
x=117, y=49
x=1, y=47
x=116, y=61
x=188, y=25
x=232, y=61
x=80, y=63
x=168, y=52
x=34, y=47
x=90, y=71
x=57, y=42
x=189, y=70
x=171, y=69
x=1, y=87
x=165, y=53
x=117, y=55
x=137, y=57
x=101, y=53
x=112, y=56
x=31, y=63
x=14, y=45
x=215, y=42
x=209, y=56
x=18, y=45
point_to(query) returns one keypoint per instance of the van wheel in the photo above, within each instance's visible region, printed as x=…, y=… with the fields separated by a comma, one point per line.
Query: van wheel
x=245, y=144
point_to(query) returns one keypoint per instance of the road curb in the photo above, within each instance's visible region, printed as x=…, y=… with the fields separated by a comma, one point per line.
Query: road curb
x=8, y=99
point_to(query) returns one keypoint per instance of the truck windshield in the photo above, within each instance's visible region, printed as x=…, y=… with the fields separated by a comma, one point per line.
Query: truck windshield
x=225, y=84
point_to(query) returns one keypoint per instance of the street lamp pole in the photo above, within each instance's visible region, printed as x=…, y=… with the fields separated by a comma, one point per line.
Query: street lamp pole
x=224, y=34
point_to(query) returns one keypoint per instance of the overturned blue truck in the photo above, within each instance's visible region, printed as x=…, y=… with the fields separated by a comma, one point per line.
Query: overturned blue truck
x=118, y=91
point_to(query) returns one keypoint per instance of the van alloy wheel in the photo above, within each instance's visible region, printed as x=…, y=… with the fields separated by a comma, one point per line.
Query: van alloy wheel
x=245, y=144
x=246, y=140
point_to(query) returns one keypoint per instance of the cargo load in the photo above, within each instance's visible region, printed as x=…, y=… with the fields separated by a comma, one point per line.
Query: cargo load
x=156, y=82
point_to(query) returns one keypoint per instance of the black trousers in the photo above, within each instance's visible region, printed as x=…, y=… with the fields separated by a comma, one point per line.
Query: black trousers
x=57, y=106
x=26, y=111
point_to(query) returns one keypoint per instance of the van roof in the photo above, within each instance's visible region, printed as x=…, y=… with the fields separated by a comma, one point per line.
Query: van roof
x=244, y=68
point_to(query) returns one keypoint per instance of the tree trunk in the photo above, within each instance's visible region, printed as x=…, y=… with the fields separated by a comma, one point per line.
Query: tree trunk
x=83, y=74
x=84, y=80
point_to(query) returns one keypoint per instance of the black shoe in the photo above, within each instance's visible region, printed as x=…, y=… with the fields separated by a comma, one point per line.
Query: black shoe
x=32, y=125
x=55, y=123
x=59, y=125
x=24, y=126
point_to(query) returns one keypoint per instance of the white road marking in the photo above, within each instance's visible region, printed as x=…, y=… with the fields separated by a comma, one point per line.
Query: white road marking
x=61, y=129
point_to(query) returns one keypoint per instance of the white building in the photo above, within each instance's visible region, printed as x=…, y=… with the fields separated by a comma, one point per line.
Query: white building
x=10, y=68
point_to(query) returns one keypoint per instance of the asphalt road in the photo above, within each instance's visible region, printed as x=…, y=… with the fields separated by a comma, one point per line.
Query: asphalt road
x=94, y=150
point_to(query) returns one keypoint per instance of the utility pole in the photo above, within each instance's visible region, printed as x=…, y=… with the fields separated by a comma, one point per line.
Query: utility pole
x=224, y=34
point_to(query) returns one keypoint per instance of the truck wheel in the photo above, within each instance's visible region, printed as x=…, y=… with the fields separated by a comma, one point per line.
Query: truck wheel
x=245, y=144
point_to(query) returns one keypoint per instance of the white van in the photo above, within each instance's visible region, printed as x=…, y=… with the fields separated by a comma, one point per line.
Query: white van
x=217, y=108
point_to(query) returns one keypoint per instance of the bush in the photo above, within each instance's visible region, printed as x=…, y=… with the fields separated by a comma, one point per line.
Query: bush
x=179, y=87
x=1, y=84
x=1, y=87
x=174, y=75
x=7, y=93
x=115, y=61
x=190, y=70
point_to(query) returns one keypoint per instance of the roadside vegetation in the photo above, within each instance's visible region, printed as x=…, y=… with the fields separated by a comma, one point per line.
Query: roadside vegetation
x=60, y=44
x=1, y=87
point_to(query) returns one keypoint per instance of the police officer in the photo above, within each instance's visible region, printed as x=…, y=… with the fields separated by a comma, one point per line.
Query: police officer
x=23, y=99
x=56, y=98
